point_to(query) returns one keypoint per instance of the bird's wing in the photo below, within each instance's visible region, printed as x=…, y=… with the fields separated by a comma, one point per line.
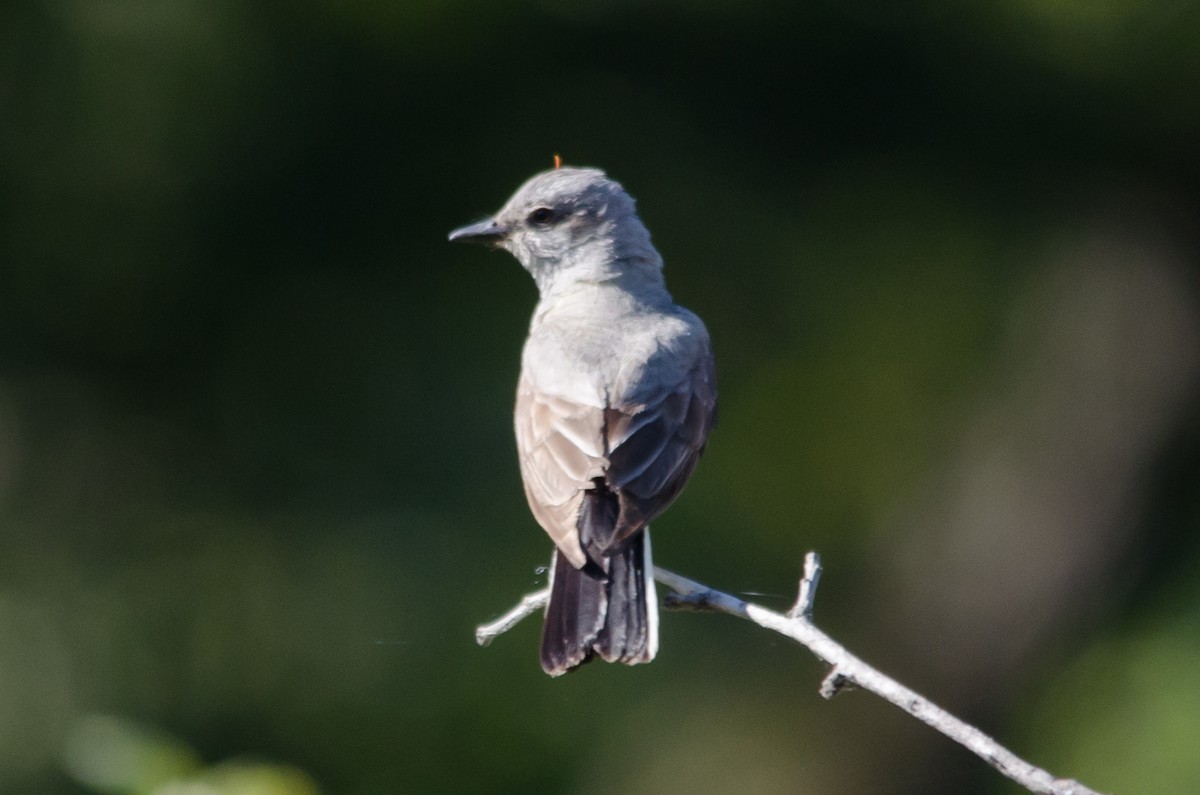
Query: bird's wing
x=560, y=445
x=653, y=445
x=642, y=449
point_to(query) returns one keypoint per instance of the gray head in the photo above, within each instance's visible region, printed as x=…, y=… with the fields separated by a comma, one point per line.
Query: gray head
x=568, y=225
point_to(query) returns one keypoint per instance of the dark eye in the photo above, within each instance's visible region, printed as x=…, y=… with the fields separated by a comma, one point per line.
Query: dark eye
x=541, y=216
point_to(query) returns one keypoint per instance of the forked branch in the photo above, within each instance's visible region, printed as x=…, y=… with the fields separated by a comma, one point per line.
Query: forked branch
x=845, y=668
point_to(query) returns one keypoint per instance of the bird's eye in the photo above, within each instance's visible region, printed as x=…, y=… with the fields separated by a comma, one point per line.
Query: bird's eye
x=541, y=216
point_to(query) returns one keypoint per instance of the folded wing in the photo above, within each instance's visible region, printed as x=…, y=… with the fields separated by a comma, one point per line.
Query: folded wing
x=643, y=453
x=654, y=446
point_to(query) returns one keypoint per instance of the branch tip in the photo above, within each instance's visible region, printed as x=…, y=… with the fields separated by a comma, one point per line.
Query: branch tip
x=803, y=609
x=833, y=683
x=530, y=603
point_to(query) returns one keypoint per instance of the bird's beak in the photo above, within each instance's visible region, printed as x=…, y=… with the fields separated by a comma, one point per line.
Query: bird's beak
x=488, y=232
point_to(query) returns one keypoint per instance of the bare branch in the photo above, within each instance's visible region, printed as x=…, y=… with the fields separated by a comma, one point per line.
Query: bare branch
x=530, y=603
x=808, y=588
x=846, y=669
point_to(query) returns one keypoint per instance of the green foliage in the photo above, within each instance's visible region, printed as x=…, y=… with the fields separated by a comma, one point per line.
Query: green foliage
x=111, y=755
x=1128, y=707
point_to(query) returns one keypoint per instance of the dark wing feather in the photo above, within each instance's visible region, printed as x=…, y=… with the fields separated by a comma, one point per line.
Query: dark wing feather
x=642, y=452
x=654, y=446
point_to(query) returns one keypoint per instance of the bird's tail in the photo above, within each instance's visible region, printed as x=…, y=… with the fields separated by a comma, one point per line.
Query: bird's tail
x=613, y=614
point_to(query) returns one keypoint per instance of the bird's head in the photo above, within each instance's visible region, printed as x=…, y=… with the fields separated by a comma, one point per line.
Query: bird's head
x=569, y=224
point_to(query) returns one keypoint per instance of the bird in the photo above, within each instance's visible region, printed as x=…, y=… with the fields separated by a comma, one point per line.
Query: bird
x=615, y=400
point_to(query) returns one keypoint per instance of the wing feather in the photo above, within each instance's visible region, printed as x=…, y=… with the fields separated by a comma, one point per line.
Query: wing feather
x=643, y=451
x=658, y=443
x=560, y=448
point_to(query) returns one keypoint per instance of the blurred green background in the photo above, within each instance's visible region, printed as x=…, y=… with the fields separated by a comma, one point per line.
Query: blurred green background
x=257, y=481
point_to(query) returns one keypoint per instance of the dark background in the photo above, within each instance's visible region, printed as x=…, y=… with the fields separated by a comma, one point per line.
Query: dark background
x=257, y=480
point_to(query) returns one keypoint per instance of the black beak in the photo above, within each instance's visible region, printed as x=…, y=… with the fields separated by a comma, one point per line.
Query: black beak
x=487, y=232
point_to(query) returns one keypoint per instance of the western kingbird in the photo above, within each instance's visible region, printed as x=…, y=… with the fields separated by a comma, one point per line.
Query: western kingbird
x=615, y=400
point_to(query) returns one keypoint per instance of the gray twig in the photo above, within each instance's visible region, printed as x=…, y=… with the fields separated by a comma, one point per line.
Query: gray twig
x=530, y=603
x=846, y=670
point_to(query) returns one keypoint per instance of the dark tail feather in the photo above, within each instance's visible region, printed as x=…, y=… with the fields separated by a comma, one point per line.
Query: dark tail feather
x=630, y=633
x=614, y=616
x=574, y=616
